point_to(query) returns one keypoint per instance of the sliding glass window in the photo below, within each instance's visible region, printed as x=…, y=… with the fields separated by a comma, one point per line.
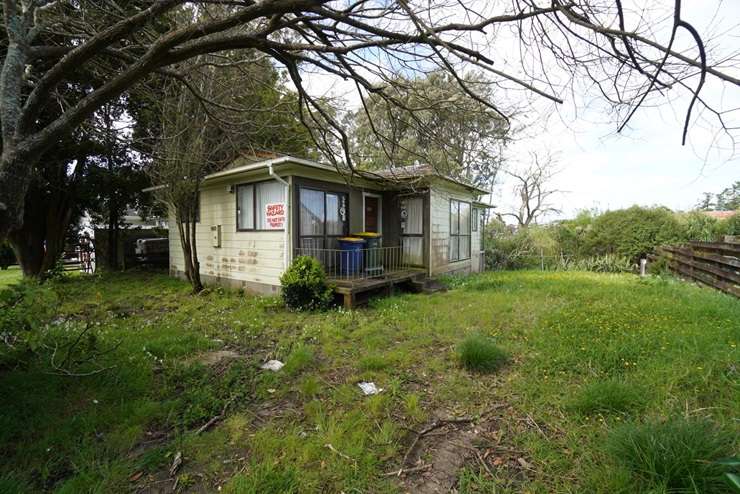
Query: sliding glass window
x=323, y=218
x=459, y=230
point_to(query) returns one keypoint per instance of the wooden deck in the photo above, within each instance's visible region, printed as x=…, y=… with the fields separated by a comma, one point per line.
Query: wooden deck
x=357, y=291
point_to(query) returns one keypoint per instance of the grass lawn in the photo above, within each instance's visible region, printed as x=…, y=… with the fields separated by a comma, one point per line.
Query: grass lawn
x=9, y=276
x=601, y=383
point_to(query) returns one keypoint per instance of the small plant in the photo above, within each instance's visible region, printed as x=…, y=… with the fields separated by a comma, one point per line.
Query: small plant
x=57, y=271
x=413, y=408
x=304, y=285
x=300, y=357
x=610, y=396
x=679, y=455
x=480, y=353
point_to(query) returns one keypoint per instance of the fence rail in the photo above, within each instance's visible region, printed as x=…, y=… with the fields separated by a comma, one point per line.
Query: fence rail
x=358, y=264
x=716, y=264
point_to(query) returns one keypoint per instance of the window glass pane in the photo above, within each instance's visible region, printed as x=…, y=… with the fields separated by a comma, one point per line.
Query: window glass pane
x=476, y=219
x=312, y=212
x=413, y=250
x=464, y=247
x=245, y=207
x=454, y=251
x=414, y=221
x=311, y=243
x=268, y=193
x=454, y=217
x=464, y=218
x=334, y=222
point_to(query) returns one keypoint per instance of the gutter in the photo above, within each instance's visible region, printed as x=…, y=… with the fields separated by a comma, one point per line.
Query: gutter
x=286, y=231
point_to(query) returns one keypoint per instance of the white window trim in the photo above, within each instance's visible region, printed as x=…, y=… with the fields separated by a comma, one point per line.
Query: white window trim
x=380, y=210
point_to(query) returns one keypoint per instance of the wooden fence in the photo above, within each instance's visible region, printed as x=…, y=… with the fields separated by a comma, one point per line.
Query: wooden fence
x=716, y=264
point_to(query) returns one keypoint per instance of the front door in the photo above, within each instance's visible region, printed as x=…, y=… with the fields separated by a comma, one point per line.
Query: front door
x=412, y=230
x=372, y=214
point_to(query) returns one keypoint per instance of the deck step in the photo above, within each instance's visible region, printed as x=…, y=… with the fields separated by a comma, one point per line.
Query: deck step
x=428, y=285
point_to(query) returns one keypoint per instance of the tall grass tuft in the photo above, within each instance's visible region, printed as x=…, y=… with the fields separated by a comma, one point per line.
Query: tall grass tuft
x=679, y=455
x=300, y=358
x=265, y=478
x=480, y=353
x=610, y=396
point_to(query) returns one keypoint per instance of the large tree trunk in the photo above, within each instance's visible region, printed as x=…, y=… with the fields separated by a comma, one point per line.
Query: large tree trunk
x=39, y=242
x=112, y=261
x=15, y=177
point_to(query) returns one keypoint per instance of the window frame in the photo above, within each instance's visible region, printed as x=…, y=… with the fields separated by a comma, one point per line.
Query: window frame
x=456, y=236
x=254, y=206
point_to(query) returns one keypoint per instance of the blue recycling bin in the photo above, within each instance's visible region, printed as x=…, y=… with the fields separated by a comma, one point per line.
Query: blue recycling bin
x=351, y=255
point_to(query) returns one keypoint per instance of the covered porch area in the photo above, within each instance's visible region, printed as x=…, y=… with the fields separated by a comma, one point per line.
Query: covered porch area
x=327, y=213
x=362, y=272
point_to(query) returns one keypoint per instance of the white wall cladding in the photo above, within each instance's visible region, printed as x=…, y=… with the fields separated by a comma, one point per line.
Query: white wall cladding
x=440, y=234
x=251, y=256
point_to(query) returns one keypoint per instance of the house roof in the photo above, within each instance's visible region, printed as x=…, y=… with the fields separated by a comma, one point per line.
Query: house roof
x=403, y=173
x=417, y=171
x=249, y=163
x=720, y=215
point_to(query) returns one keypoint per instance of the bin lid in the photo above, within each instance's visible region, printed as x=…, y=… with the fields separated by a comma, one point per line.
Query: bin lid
x=351, y=239
x=367, y=234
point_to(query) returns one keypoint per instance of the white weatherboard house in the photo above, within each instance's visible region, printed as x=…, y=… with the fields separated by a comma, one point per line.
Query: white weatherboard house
x=256, y=216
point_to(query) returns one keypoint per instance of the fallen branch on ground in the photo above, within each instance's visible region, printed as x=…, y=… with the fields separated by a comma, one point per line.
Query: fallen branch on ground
x=334, y=450
x=401, y=471
x=215, y=418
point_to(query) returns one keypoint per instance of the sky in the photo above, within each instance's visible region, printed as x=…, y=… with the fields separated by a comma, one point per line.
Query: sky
x=646, y=163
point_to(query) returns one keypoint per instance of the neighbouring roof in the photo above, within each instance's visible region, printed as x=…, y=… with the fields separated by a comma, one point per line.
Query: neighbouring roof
x=720, y=215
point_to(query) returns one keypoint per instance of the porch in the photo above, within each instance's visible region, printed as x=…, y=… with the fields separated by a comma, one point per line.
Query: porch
x=361, y=273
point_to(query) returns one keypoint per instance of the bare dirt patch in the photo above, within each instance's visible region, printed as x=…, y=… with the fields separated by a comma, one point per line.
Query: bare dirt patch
x=218, y=357
x=438, y=452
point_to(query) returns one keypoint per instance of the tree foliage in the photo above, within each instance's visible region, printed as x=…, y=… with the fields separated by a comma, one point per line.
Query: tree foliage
x=121, y=45
x=248, y=111
x=432, y=120
x=726, y=200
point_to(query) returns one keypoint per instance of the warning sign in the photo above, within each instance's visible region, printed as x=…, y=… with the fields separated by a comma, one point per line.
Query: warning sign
x=275, y=216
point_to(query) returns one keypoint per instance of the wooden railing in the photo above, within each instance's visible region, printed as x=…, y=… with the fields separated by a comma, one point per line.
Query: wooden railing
x=715, y=264
x=358, y=264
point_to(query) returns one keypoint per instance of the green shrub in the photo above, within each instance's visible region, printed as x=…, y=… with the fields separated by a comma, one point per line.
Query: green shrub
x=679, y=455
x=24, y=309
x=480, y=353
x=304, y=285
x=700, y=227
x=520, y=249
x=609, y=396
x=633, y=232
x=730, y=226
